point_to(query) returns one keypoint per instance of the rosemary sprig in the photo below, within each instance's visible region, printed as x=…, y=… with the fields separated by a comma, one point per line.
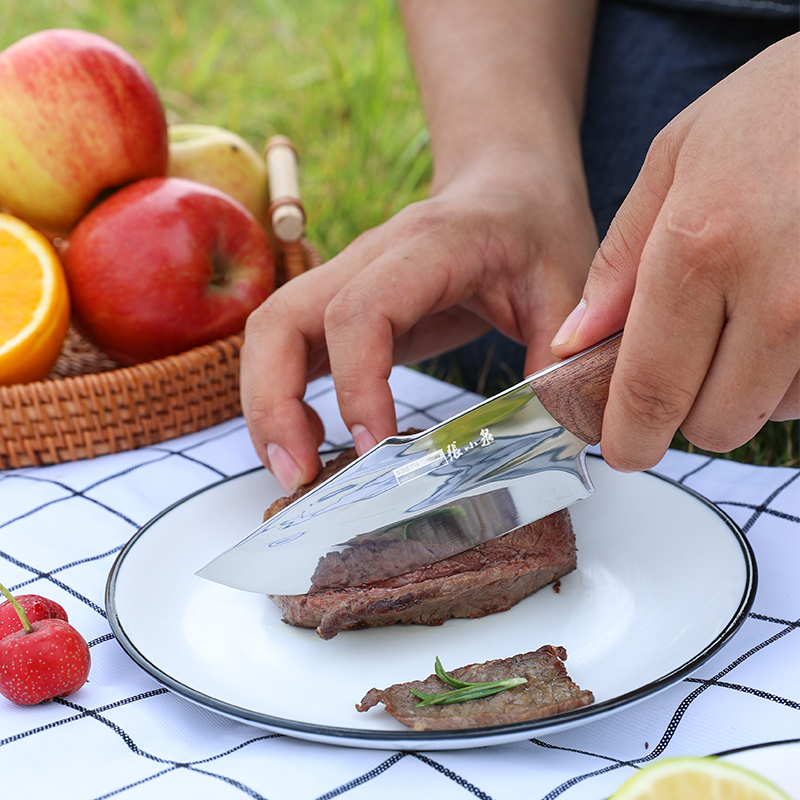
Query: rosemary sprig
x=449, y=679
x=463, y=690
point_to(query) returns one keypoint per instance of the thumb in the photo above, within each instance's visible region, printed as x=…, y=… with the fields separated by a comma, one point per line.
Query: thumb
x=610, y=285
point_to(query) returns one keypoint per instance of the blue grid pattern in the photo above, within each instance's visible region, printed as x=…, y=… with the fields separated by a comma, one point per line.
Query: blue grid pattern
x=125, y=735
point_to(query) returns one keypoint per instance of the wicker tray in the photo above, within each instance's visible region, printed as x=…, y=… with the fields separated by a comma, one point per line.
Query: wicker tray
x=90, y=406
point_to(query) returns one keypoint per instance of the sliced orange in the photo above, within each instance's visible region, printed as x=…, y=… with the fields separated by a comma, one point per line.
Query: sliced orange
x=34, y=303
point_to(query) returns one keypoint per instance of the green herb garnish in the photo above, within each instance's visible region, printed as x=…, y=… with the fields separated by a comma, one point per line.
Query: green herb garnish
x=463, y=690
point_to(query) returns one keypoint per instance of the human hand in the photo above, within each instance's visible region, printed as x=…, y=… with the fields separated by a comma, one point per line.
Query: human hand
x=702, y=268
x=506, y=245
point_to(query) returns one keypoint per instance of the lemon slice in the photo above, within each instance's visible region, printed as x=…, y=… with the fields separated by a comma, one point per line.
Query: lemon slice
x=688, y=778
x=34, y=303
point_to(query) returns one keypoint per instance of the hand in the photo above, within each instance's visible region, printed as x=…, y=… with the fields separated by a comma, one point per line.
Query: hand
x=507, y=246
x=702, y=268
x=505, y=239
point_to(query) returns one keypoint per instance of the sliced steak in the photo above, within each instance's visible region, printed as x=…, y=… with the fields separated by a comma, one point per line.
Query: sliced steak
x=549, y=691
x=490, y=577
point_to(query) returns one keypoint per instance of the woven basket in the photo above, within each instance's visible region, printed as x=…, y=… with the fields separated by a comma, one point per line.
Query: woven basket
x=90, y=406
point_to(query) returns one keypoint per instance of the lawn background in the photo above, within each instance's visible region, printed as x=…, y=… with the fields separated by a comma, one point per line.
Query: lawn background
x=333, y=75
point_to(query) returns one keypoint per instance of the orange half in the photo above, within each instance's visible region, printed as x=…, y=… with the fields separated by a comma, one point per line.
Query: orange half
x=34, y=303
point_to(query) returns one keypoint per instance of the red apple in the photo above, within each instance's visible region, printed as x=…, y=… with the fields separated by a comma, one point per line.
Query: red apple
x=164, y=265
x=79, y=117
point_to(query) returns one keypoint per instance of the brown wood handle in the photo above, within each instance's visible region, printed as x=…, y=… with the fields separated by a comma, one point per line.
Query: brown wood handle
x=575, y=391
x=286, y=213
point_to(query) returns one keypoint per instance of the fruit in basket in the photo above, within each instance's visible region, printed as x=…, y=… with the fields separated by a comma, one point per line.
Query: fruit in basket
x=223, y=159
x=34, y=303
x=79, y=117
x=164, y=265
x=35, y=607
x=45, y=659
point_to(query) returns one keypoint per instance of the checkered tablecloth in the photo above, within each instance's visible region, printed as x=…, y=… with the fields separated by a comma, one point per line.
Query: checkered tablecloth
x=125, y=735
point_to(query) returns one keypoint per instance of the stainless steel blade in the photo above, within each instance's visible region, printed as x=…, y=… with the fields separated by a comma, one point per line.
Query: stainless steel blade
x=414, y=500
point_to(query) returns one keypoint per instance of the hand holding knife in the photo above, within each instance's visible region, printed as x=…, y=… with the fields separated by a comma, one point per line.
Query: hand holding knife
x=504, y=463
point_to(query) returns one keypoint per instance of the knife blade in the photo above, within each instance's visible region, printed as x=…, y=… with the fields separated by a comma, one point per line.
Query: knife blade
x=416, y=499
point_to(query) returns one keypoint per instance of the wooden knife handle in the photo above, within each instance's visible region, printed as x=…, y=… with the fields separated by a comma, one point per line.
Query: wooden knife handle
x=575, y=391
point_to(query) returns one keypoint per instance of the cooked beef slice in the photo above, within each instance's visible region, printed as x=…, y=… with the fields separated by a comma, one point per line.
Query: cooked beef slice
x=405, y=547
x=490, y=577
x=549, y=691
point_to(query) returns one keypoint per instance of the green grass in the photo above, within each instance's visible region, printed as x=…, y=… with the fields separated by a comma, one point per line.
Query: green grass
x=333, y=75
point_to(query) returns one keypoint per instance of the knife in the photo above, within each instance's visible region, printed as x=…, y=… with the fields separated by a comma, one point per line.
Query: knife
x=416, y=499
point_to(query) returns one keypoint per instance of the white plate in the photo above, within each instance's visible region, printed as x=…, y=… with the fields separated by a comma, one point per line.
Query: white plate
x=663, y=577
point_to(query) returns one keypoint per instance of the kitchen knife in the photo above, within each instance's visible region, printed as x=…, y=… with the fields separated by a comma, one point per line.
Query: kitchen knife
x=416, y=499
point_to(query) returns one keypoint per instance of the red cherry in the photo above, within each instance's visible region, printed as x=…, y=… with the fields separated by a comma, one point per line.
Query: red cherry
x=35, y=606
x=49, y=659
x=44, y=659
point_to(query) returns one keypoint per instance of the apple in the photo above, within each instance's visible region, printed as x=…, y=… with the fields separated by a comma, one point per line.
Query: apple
x=164, y=265
x=223, y=159
x=79, y=117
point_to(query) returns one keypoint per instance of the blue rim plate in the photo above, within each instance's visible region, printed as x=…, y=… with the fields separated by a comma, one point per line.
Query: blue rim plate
x=664, y=579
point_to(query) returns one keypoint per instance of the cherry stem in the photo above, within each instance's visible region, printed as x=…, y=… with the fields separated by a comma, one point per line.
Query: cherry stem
x=23, y=617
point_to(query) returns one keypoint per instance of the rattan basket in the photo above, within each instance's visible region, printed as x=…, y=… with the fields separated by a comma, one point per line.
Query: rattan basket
x=89, y=405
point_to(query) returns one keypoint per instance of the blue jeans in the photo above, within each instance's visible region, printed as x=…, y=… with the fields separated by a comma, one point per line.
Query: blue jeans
x=648, y=63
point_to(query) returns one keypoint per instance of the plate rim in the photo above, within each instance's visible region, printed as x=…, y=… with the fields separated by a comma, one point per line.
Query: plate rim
x=747, y=748
x=363, y=737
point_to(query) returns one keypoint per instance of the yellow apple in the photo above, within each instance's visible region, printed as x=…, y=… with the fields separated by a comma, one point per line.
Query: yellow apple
x=220, y=158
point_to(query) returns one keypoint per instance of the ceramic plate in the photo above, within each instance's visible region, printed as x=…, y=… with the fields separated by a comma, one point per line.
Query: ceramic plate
x=664, y=579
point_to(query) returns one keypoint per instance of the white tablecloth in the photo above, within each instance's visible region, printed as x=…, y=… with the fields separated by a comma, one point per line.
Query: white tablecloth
x=123, y=734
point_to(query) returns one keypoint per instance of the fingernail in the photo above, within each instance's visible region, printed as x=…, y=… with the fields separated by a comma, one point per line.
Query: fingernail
x=570, y=325
x=362, y=439
x=284, y=468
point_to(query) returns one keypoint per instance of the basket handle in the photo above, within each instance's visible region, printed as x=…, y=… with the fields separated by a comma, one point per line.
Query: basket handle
x=286, y=214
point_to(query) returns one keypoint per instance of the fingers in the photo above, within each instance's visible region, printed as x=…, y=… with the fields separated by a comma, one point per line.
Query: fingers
x=285, y=433
x=422, y=279
x=551, y=302
x=284, y=347
x=675, y=320
x=701, y=266
x=789, y=406
x=710, y=315
x=613, y=274
x=710, y=343
x=621, y=292
x=430, y=279
x=749, y=380
x=710, y=346
x=344, y=317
